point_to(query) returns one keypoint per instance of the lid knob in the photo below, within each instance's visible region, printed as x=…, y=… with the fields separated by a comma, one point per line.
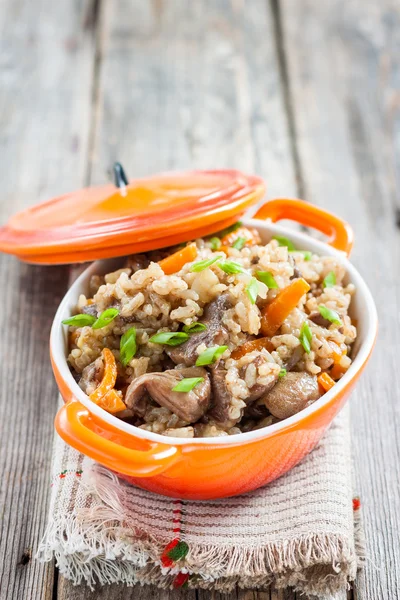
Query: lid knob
x=120, y=178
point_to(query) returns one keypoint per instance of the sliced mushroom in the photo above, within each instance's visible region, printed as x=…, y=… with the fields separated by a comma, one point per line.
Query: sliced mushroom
x=257, y=390
x=318, y=319
x=91, y=376
x=296, y=271
x=90, y=309
x=188, y=406
x=255, y=411
x=215, y=334
x=136, y=262
x=221, y=396
x=294, y=358
x=292, y=393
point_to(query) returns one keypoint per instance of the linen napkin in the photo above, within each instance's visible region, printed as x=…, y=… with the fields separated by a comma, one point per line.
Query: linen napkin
x=302, y=530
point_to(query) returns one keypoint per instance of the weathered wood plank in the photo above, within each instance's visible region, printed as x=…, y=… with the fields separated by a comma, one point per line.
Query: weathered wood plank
x=46, y=63
x=120, y=592
x=271, y=594
x=343, y=68
x=282, y=595
x=26, y=425
x=191, y=85
x=236, y=595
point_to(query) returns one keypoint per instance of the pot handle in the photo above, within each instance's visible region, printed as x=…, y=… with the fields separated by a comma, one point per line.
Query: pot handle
x=90, y=436
x=340, y=234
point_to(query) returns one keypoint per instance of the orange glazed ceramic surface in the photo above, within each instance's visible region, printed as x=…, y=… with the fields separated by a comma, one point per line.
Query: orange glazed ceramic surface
x=204, y=468
x=150, y=213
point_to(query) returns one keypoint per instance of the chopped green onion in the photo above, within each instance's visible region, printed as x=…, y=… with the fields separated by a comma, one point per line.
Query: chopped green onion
x=252, y=290
x=330, y=280
x=215, y=243
x=210, y=356
x=282, y=373
x=329, y=314
x=267, y=278
x=306, y=337
x=239, y=243
x=230, y=229
x=306, y=253
x=128, y=346
x=282, y=241
x=80, y=320
x=105, y=318
x=170, y=338
x=187, y=384
x=203, y=264
x=194, y=328
x=231, y=267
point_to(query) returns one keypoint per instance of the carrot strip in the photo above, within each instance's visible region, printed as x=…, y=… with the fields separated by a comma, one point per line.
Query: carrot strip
x=337, y=371
x=111, y=402
x=258, y=344
x=280, y=308
x=325, y=381
x=224, y=249
x=109, y=377
x=175, y=262
x=250, y=234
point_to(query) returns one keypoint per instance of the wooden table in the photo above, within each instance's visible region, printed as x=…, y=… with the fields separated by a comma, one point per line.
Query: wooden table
x=304, y=93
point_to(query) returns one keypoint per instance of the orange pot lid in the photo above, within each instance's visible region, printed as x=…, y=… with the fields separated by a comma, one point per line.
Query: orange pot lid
x=139, y=215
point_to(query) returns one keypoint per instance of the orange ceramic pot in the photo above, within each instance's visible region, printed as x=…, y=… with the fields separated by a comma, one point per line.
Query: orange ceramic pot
x=206, y=468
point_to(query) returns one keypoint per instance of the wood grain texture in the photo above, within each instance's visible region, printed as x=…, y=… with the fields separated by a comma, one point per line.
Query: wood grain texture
x=344, y=71
x=118, y=592
x=66, y=591
x=181, y=86
x=45, y=72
